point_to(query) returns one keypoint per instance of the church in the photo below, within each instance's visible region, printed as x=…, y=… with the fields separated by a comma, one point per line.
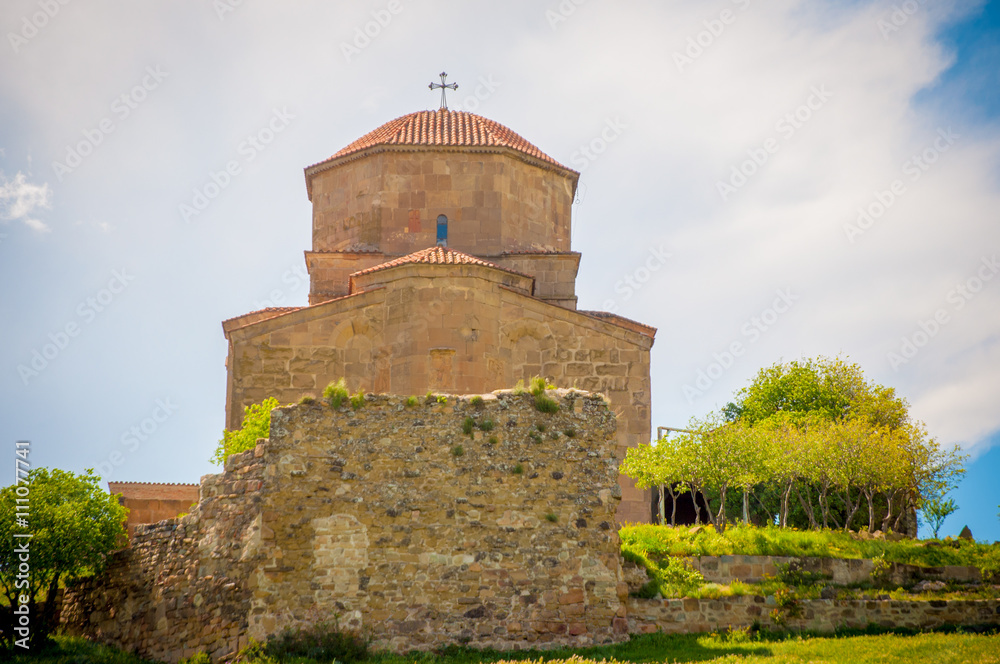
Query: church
x=441, y=261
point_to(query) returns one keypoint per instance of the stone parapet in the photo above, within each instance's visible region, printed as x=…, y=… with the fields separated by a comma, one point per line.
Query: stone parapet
x=682, y=616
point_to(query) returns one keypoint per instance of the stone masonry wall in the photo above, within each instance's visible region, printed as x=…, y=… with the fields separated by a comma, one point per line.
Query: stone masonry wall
x=392, y=520
x=409, y=529
x=684, y=616
x=181, y=586
x=841, y=571
x=458, y=334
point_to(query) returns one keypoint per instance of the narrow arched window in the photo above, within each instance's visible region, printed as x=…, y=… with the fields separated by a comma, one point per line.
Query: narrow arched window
x=442, y=231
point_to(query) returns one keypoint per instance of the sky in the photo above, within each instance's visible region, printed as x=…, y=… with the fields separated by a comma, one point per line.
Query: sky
x=761, y=181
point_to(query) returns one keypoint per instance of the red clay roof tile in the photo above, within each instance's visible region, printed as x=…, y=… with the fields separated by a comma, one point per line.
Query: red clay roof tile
x=436, y=256
x=445, y=128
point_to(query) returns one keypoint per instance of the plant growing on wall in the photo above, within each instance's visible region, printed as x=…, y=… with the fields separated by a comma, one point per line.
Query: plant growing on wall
x=336, y=393
x=256, y=424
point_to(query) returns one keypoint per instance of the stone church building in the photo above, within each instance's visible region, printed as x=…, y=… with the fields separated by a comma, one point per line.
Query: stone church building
x=441, y=261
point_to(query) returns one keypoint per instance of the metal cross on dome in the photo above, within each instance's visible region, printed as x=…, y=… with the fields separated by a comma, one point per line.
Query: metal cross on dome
x=444, y=86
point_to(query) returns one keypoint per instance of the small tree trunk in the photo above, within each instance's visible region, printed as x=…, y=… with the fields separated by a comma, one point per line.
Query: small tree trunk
x=694, y=501
x=889, y=495
x=783, y=519
x=673, y=506
x=807, y=507
x=746, y=507
x=663, y=516
x=869, y=495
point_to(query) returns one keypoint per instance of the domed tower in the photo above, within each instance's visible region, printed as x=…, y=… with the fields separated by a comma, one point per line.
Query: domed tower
x=441, y=261
x=442, y=178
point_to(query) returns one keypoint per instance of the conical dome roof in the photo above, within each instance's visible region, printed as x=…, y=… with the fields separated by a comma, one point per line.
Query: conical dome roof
x=443, y=128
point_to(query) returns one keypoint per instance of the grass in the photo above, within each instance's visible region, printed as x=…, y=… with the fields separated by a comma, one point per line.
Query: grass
x=663, y=551
x=336, y=393
x=730, y=647
x=773, y=541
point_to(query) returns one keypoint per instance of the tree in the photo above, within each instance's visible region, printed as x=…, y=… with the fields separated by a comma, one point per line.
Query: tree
x=72, y=524
x=818, y=429
x=936, y=510
x=256, y=424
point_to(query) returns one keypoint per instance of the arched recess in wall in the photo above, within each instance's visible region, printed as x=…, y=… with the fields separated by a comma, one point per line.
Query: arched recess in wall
x=353, y=345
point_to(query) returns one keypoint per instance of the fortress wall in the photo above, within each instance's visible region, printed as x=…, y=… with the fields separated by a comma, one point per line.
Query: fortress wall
x=180, y=587
x=378, y=518
x=459, y=334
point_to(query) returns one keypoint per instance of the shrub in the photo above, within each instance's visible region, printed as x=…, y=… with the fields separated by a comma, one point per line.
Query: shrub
x=551, y=517
x=539, y=385
x=200, y=657
x=411, y=402
x=442, y=399
x=336, y=393
x=487, y=425
x=570, y=433
x=357, y=400
x=305, y=400
x=541, y=427
x=518, y=469
x=256, y=424
x=323, y=642
x=457, y=451
x=477, y=401
x=468, y=424
x=545, y=404
x=430, y=399
x=519, y=388
x=536, y=437
x=493, y=440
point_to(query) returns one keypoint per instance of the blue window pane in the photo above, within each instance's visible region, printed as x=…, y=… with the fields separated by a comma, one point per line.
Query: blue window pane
x=442, y=230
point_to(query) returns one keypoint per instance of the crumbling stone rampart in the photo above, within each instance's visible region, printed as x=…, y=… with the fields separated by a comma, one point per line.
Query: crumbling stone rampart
x=393, y=519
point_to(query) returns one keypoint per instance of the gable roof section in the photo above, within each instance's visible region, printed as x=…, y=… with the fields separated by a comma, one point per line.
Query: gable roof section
x=437, y=255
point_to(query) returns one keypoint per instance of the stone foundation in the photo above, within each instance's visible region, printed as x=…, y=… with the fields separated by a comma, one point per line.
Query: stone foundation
x=840, y=571
x=683, y=616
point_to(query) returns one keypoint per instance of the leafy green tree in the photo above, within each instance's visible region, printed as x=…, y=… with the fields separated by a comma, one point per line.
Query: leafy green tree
x=256, y=424
x=73, y=524
x=815, y=428
x=936, y=510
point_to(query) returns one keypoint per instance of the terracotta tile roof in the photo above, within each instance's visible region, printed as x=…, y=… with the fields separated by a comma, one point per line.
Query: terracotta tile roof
x=436, y=256
x=445, y=128
x=274, y=311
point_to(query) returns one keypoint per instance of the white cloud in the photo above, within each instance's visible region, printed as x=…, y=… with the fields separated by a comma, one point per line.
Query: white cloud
x=20, y=199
